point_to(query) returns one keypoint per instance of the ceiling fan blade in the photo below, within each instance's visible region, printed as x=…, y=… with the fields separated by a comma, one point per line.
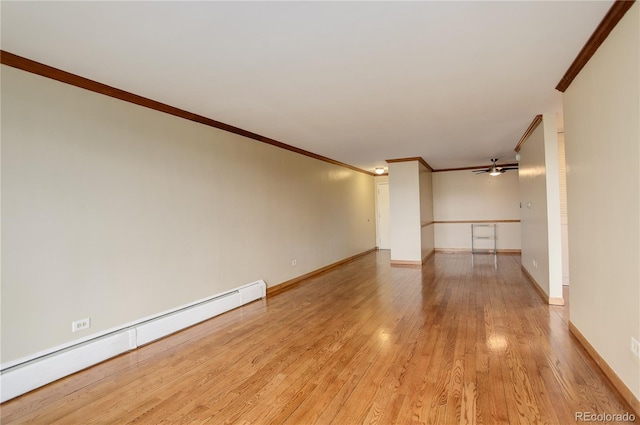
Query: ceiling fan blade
x=480, y=171
x=509, y=168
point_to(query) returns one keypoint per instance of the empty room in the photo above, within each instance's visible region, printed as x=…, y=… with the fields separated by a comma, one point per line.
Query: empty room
x=319, y=212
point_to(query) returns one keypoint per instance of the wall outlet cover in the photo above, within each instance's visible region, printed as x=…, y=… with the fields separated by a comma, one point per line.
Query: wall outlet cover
x=81, y=324
x=635, y=347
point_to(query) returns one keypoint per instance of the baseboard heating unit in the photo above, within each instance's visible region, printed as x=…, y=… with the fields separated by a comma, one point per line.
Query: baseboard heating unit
x=27, y=375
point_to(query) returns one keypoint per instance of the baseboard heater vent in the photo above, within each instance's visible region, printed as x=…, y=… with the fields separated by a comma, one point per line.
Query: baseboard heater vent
x=154, y=329
x=29, y=375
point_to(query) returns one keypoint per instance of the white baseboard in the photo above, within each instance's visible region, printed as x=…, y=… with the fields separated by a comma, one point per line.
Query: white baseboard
x=155, y=329
x=29, y=375
x=24, y=378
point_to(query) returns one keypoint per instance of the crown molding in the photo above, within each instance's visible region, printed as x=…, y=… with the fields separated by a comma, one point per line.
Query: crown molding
x=28, y=65
x=534, y=124
x=415, y=158
x=608, y=23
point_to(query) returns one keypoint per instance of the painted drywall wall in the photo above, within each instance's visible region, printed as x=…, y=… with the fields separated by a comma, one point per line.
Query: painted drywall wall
x=564, y=219
x=554, y=226
x=463, y=196
x=383, y=214
x=427, y=242
x=116, y=212
x=602, y=132
x=533, y=197
x=404, y=198
x=540, y=212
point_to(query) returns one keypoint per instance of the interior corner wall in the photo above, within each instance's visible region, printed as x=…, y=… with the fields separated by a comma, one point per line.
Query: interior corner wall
x=540, y=213
x=426, y=211
x=404, y=200
x=117, y=212
x=602, y=133
x=464, y=196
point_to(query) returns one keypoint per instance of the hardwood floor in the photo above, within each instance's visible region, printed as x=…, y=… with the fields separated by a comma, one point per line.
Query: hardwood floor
x=447, y=343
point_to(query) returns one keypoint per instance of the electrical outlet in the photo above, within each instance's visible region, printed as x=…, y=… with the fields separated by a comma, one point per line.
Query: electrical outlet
x=81, y=324
x=635, y=347
x=294, y=262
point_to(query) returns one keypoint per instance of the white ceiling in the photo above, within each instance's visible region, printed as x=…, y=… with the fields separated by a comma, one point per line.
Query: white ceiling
x=360, y=82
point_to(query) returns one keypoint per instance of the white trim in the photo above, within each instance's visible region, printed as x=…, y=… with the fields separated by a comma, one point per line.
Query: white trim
x=377, y=212
x=75, y=342
x=26, y=374
x=22, y=379
x=155, y=329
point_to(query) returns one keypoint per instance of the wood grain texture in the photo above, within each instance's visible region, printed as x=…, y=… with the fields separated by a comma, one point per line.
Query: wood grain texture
x=543, y=295
x=426, y=257
x=556, y=301
x=608, y=23
x=468, y=250
x=272, y=290
x=534, y=124
x=363, y=343
x=28, y=65
x=414, y=158
x=406, y=263
x=606, y=369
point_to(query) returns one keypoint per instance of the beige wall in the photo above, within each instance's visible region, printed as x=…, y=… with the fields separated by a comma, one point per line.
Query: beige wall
x=554, y=226
x=404, y=200
x=426, y=211
x=602, y=133
x=540, y=212
x=116, y=212
x=382, y=227
x=533, y=197
x=463, y=196
x=564, y=219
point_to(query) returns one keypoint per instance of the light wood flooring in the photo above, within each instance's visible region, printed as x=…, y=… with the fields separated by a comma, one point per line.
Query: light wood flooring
x=364, y=343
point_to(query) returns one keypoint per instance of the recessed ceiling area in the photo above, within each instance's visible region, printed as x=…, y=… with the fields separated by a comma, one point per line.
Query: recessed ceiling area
x=456, y=83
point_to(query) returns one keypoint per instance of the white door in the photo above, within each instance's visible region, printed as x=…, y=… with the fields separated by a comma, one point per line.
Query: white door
x=383, y=220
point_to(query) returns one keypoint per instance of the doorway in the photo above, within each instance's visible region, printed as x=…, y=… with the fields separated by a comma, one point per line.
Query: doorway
x=383, y=232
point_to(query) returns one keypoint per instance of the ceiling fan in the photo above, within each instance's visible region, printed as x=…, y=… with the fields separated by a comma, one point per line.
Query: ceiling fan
x=495, y=170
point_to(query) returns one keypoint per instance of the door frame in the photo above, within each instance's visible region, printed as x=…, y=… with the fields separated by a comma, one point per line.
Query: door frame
x=378, y=184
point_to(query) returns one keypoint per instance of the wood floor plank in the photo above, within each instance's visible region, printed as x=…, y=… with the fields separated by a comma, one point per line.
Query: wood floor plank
x=364, y=343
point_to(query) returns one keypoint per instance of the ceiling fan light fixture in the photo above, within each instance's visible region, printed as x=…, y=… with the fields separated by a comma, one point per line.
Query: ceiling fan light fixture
x=494, y=170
